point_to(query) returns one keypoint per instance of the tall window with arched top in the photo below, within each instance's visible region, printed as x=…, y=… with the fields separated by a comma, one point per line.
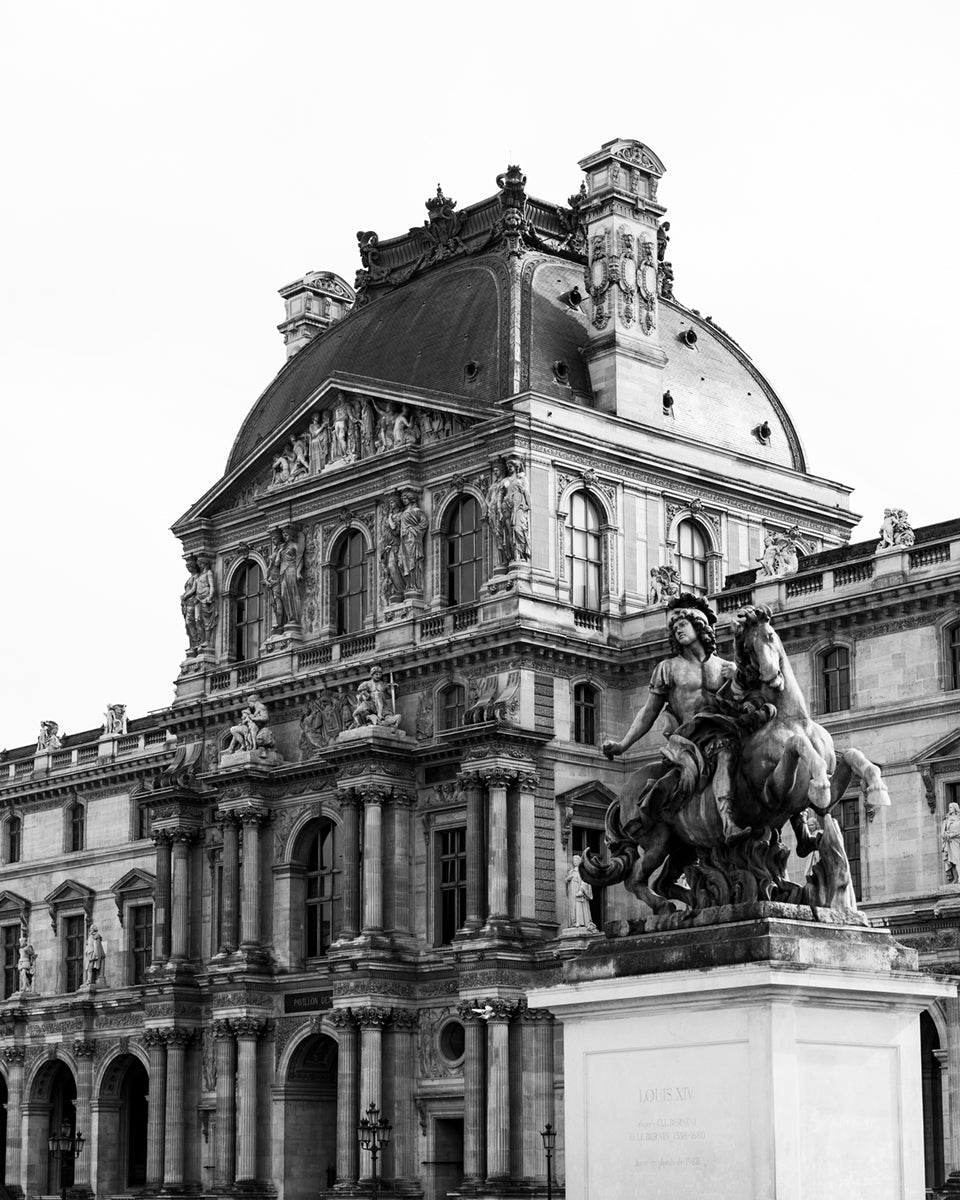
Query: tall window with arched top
x=350, y=582
x=835, y=679
x=584, y=552
x=322, y=915
x=248, y=612
x=462, y=552
x=692, y=558
x=451, y=705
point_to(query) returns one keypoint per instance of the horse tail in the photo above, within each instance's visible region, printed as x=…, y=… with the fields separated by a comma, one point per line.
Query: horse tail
x=622, y=853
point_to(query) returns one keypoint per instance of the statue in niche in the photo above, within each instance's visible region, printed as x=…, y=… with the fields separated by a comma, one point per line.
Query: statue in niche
x=950, y=842
x=515, y=512
x=26, y=964
x=896, y=529
x=289, y=561
x=340, y=440
x=781, y=553
x=742, y=758
x=413, y=532
x=205, y=611
x=115, y=720
x=320, y=433
x=49, y=737
x=188, y=604
x=391, y=579
x=664, y=584
x=252, y=732
x=579, y=895
x=94, y=956
x=376, y=702
x=272, y=580
x=493, y=515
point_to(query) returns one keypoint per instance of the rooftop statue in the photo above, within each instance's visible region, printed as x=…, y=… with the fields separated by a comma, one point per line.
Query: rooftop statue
x=896, y=529
x=49, y=736
x=781, y=552
x=742, y=758
x=115, y=720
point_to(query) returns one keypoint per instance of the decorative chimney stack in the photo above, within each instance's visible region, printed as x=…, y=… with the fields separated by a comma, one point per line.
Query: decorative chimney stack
x=620, y=216
x=313, y=303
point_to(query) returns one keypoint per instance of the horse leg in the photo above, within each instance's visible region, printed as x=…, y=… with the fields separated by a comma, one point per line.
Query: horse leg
x=782, y=780
x=855, y=762
x=656, y=848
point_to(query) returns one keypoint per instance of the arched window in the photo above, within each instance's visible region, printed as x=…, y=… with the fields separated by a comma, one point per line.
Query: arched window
x=248, y=613
x=585, y=714
x=692, y=558
x=835, y=679
x=76, y=827
x=350, y=579
x=322, y=916
x=451, y=705
x=14, y=834
x=953, y=656
x=462, y=552
x=584, y=552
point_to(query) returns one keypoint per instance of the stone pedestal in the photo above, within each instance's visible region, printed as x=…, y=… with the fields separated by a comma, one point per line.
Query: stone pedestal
x=765, y=1058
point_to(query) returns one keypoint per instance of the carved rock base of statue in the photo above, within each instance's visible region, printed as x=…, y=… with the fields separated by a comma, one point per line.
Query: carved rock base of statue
x=374, y=734
x=775, y=1057
x=249, y=758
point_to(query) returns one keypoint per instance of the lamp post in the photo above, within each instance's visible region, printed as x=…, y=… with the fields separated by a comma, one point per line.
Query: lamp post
x=374, y=1131
x=65, y=1146
x=549, y=1135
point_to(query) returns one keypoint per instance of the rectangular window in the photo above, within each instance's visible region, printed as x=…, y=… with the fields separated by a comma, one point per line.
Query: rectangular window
x=14, y=835
x=848, y=814
x=10, y=941
x=77, y=827
x=584, y=838
x=73, y=940
x=144, y=821
x=141, y=940
x=452, y=882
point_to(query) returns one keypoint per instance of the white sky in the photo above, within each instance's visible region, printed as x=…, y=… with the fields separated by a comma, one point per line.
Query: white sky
x=168, y=166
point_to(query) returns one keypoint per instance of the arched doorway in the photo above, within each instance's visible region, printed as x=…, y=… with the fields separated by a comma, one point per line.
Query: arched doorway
x=932, y=1102
x=122, y=1141
x=310, y=1119
x=56, y=1090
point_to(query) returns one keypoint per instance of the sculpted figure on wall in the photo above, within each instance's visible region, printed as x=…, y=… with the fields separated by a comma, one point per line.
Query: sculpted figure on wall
x=579, y=895
x=252, y=732
x=950, y=842
x=376, y=702
x=205, y=608
x=188, y=604
x=94, y=956
x=413, y=532
x=896, y=529
x=320, y=433
x=320, y=722
x=742, y=758
x=391, y=576
x=493, y=515
x=49, y=736
x=781, y=552
x=515, y=512
x=288, y=557
x=26, y=964
x=272, y=580
x=664, y=584
x=115, y=720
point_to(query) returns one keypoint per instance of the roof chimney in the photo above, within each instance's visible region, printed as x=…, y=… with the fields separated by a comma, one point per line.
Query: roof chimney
x=313, y=303
x=620, y=214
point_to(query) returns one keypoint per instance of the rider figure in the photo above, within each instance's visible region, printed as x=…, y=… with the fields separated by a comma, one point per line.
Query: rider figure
x=686, y=685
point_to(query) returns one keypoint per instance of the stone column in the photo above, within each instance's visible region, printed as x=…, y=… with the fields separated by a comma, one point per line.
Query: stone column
x=248, y=1031
x=404, y=1028
x=14, y=1056
x=373, y=798
x=526, y=851
x=350, y=817
x=229, y=938
x=36, y=1130
x=348, y=1104
x=476, y=897
x=161, y=903
x=474, y=1094
x=951, y=1114
x=156, y=1045
x=372, y=1020
x=225, y=1135
x=536, y=1101
x=399, y=898
x=177, y=1040
x=83, y=1052
x=498, y=1088
x=180, y=917
x=253, y=819
x=497, y=843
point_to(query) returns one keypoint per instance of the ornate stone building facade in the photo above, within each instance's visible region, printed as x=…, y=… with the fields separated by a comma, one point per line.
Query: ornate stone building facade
x=430, y=582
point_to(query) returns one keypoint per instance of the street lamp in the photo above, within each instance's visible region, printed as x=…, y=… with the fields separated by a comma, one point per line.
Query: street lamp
x=549, y=1135
x=374, y=1131
x=65, y=1146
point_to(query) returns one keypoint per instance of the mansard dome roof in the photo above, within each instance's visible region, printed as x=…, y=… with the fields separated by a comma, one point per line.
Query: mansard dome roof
x=440, y=311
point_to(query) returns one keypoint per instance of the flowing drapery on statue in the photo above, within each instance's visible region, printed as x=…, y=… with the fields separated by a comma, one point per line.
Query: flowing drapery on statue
x=702, y=827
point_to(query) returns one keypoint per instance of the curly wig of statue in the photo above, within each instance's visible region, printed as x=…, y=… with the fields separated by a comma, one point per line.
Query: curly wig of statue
x=700, y=615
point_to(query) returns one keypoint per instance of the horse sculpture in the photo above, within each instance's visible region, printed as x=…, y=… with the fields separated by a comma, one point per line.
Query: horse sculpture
x=785, y=764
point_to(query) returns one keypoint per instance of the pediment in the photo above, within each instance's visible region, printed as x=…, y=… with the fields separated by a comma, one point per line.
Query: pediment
x=13, y=905
x=593, y=790
x=135, y=885
x=342, y=427
x=70, y=895
x=944, y=749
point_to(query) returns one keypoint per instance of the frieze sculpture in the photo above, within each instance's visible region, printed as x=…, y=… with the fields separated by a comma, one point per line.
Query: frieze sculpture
x=115, y=720
x=376, y=702
x=320, y=722
x=252, y=733
x=781, y=553
x=896, y=529
x=950, y=842
x=49, y=737
x=742, y=758
x=664, y=584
